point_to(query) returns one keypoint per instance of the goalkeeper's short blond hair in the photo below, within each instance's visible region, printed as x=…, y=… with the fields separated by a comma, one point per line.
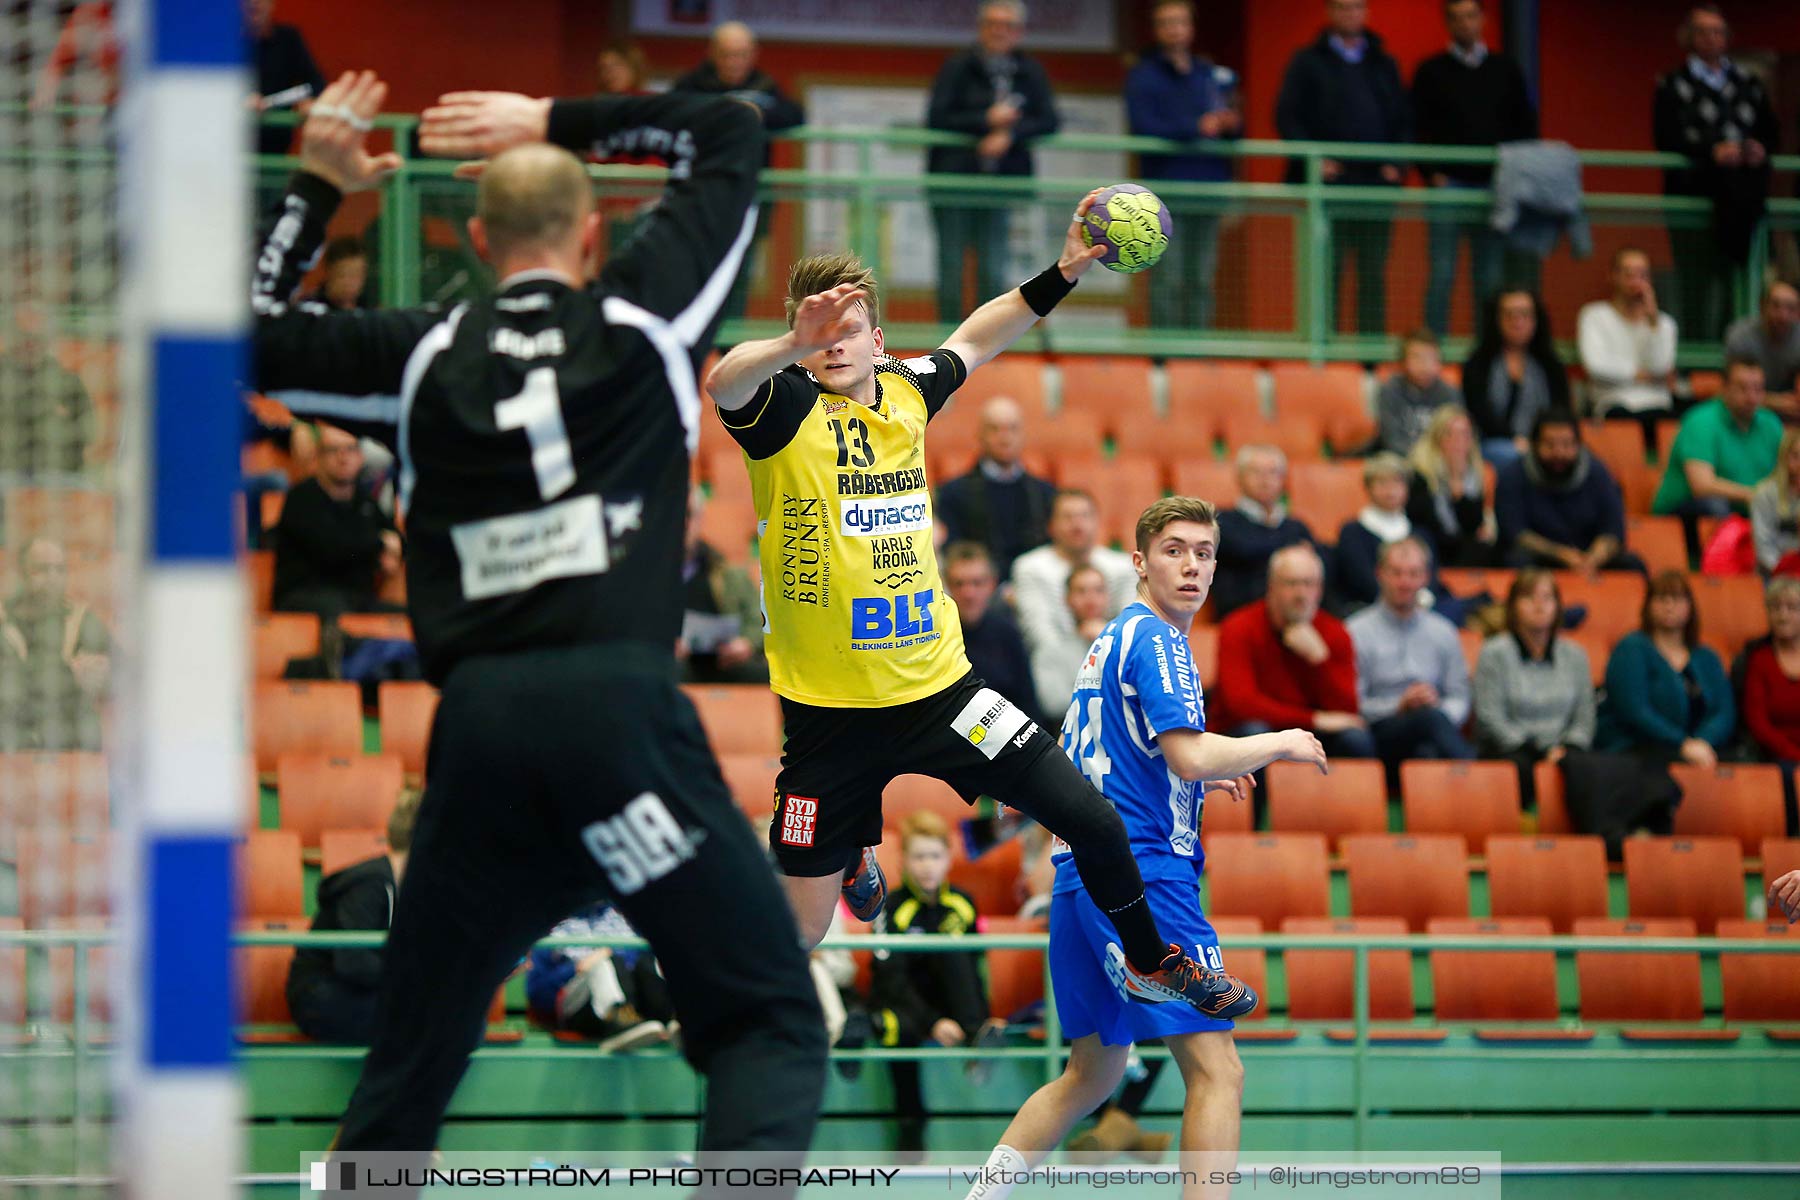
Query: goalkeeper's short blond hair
x=822, y=272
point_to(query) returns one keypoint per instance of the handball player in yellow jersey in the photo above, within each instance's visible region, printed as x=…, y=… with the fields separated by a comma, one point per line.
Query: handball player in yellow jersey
x=865, y=648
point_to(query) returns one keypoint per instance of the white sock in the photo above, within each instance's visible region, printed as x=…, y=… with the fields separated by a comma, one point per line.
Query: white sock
x=1003, y=1159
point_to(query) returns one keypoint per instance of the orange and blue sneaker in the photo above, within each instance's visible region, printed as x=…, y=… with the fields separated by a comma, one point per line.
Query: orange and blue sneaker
x=865, y=887
x=1179, y=979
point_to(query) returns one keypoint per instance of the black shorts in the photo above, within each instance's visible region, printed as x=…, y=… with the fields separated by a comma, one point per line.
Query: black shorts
x=838, y=761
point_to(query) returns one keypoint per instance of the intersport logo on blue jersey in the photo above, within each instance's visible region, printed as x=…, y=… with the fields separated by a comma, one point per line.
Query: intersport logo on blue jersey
x=874, y=516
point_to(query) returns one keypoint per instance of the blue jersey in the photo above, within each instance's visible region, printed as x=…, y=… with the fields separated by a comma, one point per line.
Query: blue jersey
x=1137, y=683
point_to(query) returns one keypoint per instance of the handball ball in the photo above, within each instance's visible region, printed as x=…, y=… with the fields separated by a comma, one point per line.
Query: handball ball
x=1132, y=223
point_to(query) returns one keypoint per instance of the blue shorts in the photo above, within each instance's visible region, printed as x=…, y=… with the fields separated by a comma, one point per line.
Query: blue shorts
x=1090, y=1000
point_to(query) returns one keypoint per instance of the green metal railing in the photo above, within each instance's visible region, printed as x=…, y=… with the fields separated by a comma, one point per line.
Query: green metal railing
x=1297, y=267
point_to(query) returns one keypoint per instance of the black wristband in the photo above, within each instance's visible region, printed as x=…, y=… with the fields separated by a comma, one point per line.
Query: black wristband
x=1045, y=290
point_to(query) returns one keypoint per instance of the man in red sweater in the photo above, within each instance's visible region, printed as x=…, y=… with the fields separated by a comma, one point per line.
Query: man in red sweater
x=1283, y=663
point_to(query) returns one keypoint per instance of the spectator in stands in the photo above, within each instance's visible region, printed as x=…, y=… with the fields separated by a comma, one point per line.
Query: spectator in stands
x=334, y=547
x=936, y=998
x=1774, y=341
x=1725, y=448
x=1559, y=506
x=1447, y=497
x=1718, y=115
x=332, y=993
x=1411, y=680
x=1383, y=519
x=1000, y=96
x=730, y=69
x=1772, y=677
x=1467, y=96
x=1534, y=691
x=286, y=75
x=1040, y=577
x=44, y=407
x=721, y=629
x=1407, y=399
x=1513, y=375
x=1345, y=87
x=1667, y=697
x=1285, y=663
x=1775, y=512
x=1056, y=660
x=1177, y=94
x=55, y=658
x=87, y=49
x=999, y=503
x=620, y=70
x=616, y=996
x=1628, y=343
x=346, y=263
x=1254, y=528
x=996, y=650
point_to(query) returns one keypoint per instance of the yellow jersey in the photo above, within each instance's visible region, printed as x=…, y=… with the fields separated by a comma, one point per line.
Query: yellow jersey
x=854, y=614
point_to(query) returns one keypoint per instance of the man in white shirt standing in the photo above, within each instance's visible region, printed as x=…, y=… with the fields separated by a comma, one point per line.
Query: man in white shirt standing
x=1040, y=577
x=1628, y=343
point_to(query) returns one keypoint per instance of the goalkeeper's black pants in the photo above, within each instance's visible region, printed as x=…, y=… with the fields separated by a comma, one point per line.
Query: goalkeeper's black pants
x=558, y=778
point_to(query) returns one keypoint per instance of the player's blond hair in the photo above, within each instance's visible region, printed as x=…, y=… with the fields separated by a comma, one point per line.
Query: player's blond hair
x=822, y=272
x=1170, y=509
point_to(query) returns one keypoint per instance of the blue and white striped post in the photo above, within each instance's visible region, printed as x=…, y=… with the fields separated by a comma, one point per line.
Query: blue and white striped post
x=184, y=223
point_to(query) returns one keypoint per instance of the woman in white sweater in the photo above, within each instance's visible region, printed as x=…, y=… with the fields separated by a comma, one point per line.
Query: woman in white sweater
x=1627, y=343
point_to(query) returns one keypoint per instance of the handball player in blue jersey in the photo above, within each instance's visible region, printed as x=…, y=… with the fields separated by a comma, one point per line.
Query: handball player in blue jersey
x=1137, y=729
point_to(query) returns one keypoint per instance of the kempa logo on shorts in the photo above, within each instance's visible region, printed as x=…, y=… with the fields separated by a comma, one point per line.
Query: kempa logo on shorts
x=863, y=516
x=799, y=820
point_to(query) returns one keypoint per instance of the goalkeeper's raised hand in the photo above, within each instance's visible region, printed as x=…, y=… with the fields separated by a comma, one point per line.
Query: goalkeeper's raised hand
x=482, y=124
x=333, y=138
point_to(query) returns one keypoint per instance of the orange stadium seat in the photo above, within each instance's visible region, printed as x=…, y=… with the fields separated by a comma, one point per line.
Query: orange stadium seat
x=277, y=637
x=738, y=718
x=1597, y=648
x=1618, y=444
x=1215, y=481
x=1706, y=384
x=1414, y=877
x=407, y=709
x=1740, y=800
x=1204, y=641
x=1321, y=984
x=1250, y=964
x=1493, y=985
x=1659, y=541
x=268, y=513
x=98, y=975
x=259, y=577
x=1169, y=443
x=1352, y=799
x=1472, y=581
x=393, y=627
x=1122, y=489
x=751, y=779
x=269, y=874
x=1614, y=602
x=1552, y=810
x=323, y=717
x=1269, y=876
x=1015, y=977
x=1638, y=490
x=992, y=880
x=1332, y=395
x=1068, y=436
x=1020, y=376
x=1471, y=640
x=1761, y=987
x=62, y=875
x=1114, y=389
x=65, y=791
x=1731, y=611
x=1700, y=879
x=1202, y=393
x=320, y=792
x=1657, y=987
x=729, y=527
x=921, y=793
x=1470, y=799
x=1220, y=813
x=1326, y=495
x=1558, y=878
x=82, y=520
x=262, y=975
x=1300, y=436
x=1779, y=856
x=726, y=479
x=340, y=848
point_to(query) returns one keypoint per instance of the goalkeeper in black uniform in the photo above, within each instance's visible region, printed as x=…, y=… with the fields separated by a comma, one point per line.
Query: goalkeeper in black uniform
x=543, y=439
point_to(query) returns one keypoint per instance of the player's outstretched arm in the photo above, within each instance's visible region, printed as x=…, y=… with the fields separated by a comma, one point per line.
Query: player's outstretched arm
x=1004, y=319
x=819, y=321
x=1194, y=755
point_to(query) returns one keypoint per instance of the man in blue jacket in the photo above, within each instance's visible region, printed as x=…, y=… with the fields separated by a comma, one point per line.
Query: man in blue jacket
x=993, y=91
x=1559, y=506
x=1345, y=88
x=1176, y=94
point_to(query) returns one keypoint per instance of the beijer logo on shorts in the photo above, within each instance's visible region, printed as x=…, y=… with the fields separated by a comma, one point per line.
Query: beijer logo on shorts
x=893, y=514
x=799, y=820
